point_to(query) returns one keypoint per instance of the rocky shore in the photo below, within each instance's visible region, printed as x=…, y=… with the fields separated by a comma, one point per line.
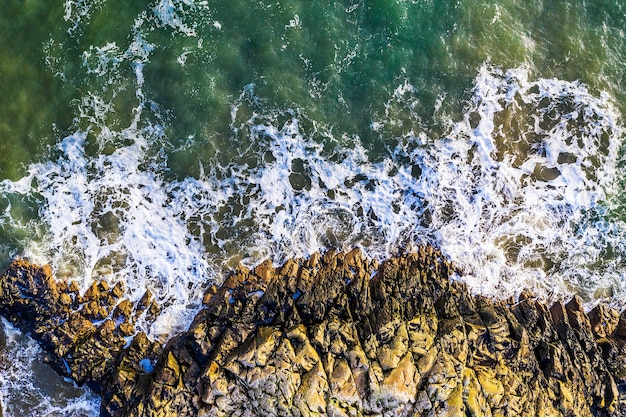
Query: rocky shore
x=336, y=335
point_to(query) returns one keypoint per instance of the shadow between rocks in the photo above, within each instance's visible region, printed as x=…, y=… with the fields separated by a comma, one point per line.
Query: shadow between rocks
x=336, y=334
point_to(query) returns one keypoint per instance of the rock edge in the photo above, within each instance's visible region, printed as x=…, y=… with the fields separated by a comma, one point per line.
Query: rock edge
x=337, y=335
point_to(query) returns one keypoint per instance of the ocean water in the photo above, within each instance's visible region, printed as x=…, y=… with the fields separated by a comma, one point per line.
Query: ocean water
x=162, y=143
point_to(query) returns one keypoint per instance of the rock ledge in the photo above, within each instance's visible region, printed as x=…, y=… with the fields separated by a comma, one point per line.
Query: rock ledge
x=335, y=335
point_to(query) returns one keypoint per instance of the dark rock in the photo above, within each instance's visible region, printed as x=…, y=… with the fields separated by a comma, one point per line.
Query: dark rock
x=335, y=335
x=123, y=309
x=118, y=290
x=81, y=342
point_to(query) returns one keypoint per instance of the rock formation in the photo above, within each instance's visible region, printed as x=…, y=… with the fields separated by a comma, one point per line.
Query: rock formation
x=335, y=335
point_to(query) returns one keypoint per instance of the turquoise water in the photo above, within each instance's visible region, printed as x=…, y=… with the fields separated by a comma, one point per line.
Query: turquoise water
x=161, y=143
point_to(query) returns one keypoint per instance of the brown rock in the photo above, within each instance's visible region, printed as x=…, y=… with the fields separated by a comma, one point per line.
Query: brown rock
x=327, y=336
x=265, y=271
x=170, y=373
x=123, y=309
x=92, y=293
x=73, y=287
x=126, y=329
x=65, y=300
x=118, y=290
x=145, y=300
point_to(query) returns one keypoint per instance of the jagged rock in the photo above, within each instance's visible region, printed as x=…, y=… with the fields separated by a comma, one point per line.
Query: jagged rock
x=603, y=320
x=335, y=335
x=80, y=341
x=123, y=309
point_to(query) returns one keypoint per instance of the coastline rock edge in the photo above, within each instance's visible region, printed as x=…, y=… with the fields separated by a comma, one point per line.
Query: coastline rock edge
x=335, y=334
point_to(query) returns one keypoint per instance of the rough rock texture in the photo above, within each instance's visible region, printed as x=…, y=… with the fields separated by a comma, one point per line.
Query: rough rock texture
x=333, y=335
x=84, y=336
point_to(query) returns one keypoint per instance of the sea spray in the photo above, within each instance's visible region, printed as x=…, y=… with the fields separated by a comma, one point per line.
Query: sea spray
x=21, y=366
x=517, y=194
x=188, y=136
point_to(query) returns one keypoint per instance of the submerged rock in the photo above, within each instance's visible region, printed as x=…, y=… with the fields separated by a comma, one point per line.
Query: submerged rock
x=335, y=335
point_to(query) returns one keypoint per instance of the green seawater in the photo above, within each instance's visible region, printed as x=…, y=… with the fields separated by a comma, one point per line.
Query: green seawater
x=190, y=82
x=338, y=62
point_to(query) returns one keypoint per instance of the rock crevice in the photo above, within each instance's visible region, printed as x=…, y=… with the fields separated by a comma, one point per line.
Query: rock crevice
x=336, y=334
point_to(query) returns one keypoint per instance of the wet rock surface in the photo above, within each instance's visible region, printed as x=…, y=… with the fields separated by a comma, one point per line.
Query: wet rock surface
x=83, y=337
x=336, y=335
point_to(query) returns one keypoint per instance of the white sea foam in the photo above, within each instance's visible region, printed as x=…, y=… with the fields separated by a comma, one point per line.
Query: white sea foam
x=517, y=194
x=110, y=219
x=109, y=216
x=175, y=15
x=21, y=366
x=78, y=10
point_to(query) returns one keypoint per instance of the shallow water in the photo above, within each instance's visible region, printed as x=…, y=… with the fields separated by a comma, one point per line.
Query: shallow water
x=30, y=388
x=161, y=143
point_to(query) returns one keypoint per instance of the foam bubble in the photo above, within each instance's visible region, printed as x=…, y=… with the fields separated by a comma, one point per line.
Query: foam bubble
x=21, y=365
x=109, y=219
x=107, y=214
x=517, y=191
x=174, y=14
x=77, y=10
x=517, y=194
